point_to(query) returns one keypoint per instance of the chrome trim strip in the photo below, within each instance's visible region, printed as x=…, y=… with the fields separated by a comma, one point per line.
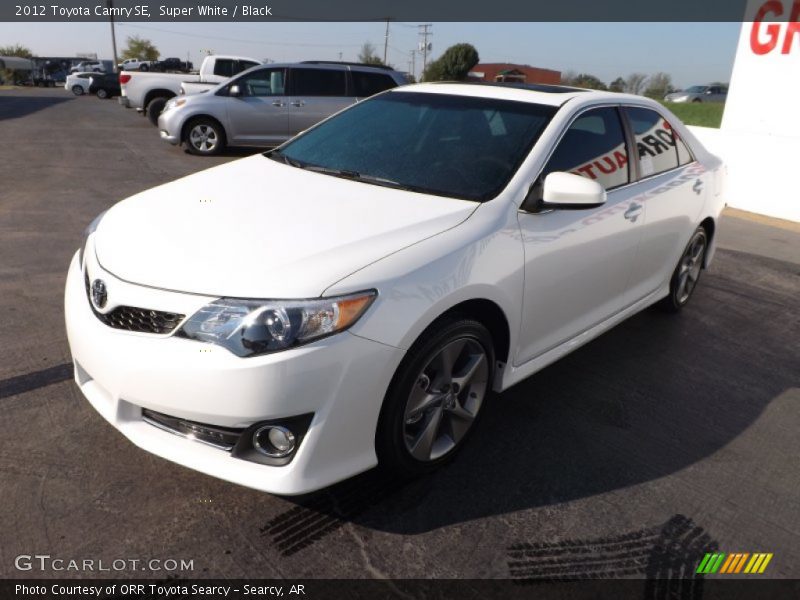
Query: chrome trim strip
x=185, y=436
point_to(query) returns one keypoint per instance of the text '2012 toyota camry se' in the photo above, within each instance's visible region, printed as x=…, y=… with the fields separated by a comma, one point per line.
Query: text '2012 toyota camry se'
x=290, y=319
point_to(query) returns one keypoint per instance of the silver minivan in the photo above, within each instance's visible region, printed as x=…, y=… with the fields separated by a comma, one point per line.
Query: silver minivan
x=266, y=105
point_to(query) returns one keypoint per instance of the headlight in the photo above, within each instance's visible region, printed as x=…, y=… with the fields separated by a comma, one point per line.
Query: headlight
x=174, y=103
x=90, y=229
x=252, y=327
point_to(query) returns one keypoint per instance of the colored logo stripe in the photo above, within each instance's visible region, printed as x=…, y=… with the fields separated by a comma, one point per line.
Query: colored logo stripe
x=734, y=563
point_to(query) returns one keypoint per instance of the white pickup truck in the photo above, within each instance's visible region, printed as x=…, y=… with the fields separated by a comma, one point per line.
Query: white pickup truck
x=148, y=92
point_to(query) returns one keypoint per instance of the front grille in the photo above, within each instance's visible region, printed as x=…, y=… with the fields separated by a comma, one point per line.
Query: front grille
x=131, y=318
x=141, y=320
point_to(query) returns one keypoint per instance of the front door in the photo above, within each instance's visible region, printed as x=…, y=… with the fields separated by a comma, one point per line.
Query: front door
x=259, y=115
x=578, y=262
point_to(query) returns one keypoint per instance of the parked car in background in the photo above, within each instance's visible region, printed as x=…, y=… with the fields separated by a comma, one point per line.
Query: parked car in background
x=149, y=92
x=104, y=85
x=267, y=105
x=78, y=83
x=95, y=66
x=699, y=93
x=353, y=298
x=171, y=64
x=134, y=64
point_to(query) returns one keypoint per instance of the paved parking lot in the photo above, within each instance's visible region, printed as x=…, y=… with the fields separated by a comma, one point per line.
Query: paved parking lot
x=666, y=438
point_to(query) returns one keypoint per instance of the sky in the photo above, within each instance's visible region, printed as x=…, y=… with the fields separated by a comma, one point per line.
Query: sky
x=692, y=53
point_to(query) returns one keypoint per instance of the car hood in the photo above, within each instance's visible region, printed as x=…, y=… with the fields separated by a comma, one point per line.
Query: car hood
x=257, y=228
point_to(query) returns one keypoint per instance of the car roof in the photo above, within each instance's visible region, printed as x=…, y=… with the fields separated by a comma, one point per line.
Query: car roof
x=549, y=95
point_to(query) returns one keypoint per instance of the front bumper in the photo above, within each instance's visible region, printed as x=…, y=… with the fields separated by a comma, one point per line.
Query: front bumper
x=341, y=380
x=170, y=125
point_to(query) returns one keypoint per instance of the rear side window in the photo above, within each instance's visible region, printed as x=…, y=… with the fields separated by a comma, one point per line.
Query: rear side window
x=243, y=65
x=684, y=156
x=224, y=67
x=319, y=82
x=594, y=147
x=368, y=84
x=655, y=141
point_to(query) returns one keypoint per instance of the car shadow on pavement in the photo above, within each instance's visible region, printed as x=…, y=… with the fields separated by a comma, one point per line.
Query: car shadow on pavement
x=14, y=106
x=651, y=397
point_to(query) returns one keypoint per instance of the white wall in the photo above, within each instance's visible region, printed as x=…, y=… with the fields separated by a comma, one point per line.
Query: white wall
x=760, y=134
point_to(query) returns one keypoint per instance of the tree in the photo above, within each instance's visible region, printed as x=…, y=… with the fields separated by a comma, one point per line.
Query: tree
x=17, y=50
x=618, y=85
x=634, y=83
x=659, y=85
x=586, y=80
x=141, y=48
x=453, y=65
x=368, y=56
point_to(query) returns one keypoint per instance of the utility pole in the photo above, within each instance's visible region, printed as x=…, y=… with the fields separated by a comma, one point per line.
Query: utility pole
x=414, y=64
x=113, y=35
x=386, y=41
x=424, y=33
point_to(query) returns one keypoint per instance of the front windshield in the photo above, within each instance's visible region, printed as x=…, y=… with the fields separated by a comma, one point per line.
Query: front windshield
x=697, y=89
x=448, y=145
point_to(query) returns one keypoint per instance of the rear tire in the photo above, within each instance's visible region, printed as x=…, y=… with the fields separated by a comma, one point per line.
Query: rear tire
x=154, y=109
x=434, y=400
x=144, y=68
x=687, y=273
x=204, y=137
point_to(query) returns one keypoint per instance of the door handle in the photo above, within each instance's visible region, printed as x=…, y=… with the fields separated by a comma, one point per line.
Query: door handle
x=278, y=103
x=633, y=212
x=298, y=103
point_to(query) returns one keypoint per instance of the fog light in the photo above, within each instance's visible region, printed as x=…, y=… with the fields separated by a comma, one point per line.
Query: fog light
x=274, y=441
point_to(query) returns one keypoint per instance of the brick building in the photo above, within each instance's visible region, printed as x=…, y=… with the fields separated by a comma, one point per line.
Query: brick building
x=513, y=73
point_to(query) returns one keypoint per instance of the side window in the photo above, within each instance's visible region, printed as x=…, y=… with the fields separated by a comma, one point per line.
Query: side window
x=684, y=156
x=594, y=147
x=367, y=84
x=266, y=82
x=223, y=67
x=242, y=65
x=654, y=140
x=319, y=82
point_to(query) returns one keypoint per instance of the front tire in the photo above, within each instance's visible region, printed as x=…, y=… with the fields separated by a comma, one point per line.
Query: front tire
x=77, y=90
x=144, y=68
x=102, y=94
x=687, y=273
x=204, y=137
x=435, y=397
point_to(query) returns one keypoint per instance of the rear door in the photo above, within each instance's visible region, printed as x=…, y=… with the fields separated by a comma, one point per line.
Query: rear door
x=259, y=115
x=672, y=190
x=316, y=93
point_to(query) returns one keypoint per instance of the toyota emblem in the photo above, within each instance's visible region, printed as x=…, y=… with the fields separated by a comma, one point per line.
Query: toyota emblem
x=99, y=293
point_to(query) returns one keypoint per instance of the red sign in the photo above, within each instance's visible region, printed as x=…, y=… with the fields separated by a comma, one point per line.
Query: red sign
x=765, y=38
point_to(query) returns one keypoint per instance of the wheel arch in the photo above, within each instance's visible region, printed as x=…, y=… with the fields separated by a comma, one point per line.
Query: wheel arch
x=158, y=93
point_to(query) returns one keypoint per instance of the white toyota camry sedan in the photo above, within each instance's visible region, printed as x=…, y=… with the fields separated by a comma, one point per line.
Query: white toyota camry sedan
x=355, y=296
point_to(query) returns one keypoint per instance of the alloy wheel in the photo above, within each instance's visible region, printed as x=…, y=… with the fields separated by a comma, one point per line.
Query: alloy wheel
x=204, y=138
x=445, y=399
x=690, y=267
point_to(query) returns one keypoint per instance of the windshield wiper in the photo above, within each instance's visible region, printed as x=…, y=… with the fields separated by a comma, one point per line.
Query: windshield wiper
x=279, y=155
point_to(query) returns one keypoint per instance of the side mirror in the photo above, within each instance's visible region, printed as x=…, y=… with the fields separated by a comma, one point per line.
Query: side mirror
x=234, y=90
x=568, y=191
x=709, y=92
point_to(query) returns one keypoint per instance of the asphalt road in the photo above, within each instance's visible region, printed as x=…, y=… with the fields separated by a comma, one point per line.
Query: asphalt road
x=663, y=439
